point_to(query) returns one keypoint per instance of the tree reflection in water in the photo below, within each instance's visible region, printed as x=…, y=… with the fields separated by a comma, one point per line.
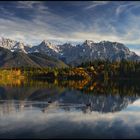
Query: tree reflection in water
x=107, y=96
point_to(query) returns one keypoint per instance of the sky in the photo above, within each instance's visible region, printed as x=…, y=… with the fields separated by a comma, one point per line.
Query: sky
x=34, y=21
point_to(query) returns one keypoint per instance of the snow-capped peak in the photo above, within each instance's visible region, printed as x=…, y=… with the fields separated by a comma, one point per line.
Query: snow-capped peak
x=88, y=42
x=46, y=46
x=7, y=43
x=12, y=45
x=46, y=42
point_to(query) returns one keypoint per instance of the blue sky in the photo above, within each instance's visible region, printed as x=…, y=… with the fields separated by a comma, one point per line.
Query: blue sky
x=34, y=21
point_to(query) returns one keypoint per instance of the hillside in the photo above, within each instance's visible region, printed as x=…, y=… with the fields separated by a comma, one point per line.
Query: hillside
x=18, y=59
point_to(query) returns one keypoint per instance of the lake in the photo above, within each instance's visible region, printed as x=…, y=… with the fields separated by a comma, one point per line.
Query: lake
x=40, y=109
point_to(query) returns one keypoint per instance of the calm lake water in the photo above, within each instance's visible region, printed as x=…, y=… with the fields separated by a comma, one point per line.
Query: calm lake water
x=50, y=111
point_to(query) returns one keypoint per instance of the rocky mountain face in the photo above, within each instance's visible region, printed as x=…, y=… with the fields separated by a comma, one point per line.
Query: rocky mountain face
x=45, y=47
x=75, y=54
x=89, y=51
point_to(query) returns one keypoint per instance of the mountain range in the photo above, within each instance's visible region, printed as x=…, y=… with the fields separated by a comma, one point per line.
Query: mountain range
x=14, y=53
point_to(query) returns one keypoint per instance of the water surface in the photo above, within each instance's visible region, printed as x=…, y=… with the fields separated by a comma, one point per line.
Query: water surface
x=51, y=111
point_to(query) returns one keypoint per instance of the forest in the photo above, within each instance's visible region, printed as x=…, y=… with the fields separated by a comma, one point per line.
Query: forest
x=95, y=70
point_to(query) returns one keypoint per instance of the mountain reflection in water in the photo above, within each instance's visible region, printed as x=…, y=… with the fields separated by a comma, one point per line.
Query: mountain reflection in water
x=41, y=110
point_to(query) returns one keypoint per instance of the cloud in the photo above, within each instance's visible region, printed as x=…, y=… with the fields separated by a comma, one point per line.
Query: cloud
x=123, y=8
x=95, y=4
x=126, y=8
x=35, y=21
x=36, y=5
